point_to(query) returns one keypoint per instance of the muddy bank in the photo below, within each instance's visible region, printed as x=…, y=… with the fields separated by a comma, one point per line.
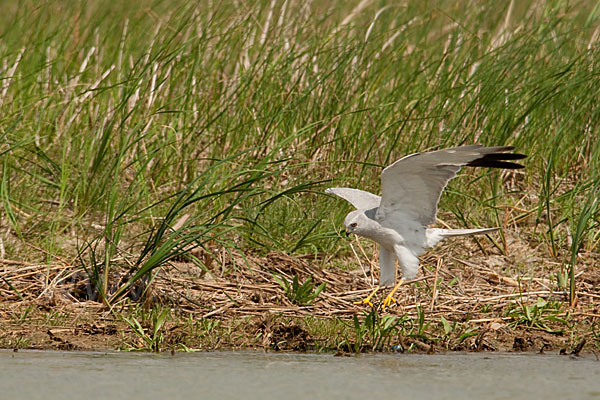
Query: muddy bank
x=457, y=304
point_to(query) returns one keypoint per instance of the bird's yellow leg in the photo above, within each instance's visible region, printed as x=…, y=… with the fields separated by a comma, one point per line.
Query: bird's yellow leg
x=390, y=297
x=367, y=300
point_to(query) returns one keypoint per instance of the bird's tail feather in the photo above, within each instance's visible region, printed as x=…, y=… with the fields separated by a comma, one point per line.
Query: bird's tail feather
x=434, y=235
x=466, y=232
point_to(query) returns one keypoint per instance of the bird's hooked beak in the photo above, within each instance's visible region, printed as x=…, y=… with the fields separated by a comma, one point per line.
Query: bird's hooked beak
x=347, y=232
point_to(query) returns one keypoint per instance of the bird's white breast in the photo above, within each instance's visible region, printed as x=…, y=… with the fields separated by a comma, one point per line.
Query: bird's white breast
x=411, y=232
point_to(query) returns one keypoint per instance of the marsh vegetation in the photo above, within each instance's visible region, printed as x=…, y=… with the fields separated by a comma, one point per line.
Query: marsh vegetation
x=163, y=166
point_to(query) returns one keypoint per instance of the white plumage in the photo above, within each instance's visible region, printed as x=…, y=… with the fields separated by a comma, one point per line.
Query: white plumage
x=411, y=188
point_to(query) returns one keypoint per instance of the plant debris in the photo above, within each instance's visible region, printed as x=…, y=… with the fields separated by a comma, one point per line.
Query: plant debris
x=472, y=306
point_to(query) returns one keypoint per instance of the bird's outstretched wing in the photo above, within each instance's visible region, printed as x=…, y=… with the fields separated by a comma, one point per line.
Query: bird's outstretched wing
x=358, y=198
x=412, y=185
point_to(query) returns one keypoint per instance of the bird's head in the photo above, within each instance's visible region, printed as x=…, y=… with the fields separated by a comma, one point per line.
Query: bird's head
x=355, y=222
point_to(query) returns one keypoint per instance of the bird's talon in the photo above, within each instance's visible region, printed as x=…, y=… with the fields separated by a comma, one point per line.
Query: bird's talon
x=389, y=299
x=388, y=302
x=362, y=302
x=367, y=300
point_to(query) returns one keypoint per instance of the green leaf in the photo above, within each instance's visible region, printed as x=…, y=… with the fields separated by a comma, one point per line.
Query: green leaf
x=469, y=333
x=446, y=325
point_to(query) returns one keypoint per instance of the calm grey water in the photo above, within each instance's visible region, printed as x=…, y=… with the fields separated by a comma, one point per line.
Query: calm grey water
x=254, y=375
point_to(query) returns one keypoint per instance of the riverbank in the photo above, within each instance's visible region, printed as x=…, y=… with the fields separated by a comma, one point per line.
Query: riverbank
x=456, y=305
x=163, y=167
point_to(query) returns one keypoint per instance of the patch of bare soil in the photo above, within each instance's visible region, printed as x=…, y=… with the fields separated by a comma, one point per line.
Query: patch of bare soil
x=486, y=304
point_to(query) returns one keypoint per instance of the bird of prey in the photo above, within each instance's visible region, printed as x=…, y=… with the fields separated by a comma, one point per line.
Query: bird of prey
x=410, y=191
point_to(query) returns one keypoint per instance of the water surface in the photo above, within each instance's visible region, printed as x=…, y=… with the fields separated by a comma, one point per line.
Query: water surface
x=257, y=375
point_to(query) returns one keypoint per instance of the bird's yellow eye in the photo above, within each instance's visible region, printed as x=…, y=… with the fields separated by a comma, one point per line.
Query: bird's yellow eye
x=353, y=225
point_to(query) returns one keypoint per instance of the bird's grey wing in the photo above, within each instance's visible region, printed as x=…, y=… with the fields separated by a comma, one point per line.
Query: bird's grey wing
x=411, y=187
x=358, y=198
x=387, y=267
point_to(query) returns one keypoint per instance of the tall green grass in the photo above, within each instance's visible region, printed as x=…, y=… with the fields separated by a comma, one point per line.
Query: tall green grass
x=119, y=120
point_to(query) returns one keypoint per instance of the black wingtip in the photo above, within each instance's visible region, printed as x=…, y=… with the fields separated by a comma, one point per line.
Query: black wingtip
x=498, y=160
